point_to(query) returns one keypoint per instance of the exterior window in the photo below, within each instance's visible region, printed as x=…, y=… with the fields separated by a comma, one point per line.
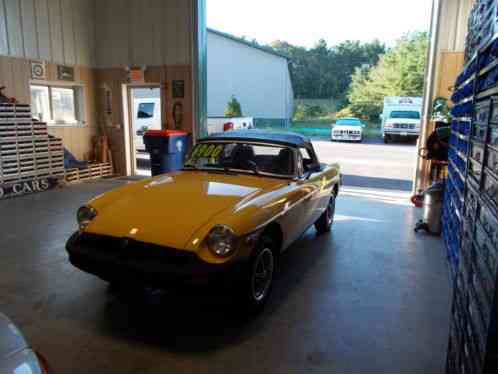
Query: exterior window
x=145, y=110
x=57, y=105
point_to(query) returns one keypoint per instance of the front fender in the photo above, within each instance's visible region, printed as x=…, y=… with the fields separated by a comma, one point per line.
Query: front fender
x=248, y=220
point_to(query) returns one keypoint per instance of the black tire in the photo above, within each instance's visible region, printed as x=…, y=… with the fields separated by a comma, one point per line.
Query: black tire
x=120, y=286
x=257, y=289
x=386, y=139
x=324, y=223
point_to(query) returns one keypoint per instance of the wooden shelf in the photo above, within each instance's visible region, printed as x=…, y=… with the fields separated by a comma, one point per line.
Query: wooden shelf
x=94, y=171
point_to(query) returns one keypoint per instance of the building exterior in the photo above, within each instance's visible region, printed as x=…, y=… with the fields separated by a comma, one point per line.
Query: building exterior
x=258, y=77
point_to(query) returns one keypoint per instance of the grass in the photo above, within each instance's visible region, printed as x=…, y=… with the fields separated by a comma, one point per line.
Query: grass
x=321, y=127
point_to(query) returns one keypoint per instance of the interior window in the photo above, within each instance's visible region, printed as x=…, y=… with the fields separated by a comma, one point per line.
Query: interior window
x=146, y=110
x=40, y=103
x=57, y=105
x=63, y=105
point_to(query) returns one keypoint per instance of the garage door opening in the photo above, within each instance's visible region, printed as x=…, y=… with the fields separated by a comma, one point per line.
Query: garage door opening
x=355, y=90
x=145, y=111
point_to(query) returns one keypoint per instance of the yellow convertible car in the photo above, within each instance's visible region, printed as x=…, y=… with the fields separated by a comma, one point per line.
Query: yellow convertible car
x=241, y=199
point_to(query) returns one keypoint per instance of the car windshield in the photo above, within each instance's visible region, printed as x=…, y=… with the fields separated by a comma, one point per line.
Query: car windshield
x=244, y=157
x=348, y=121
x=405, y=115
x=145, y=110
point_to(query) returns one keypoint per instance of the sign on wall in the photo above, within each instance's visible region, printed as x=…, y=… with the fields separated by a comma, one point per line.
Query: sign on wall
x=178, y=89
x=136, y=75
x=27, y=187
x=38, y=70
x=108, y=101
x=65, y=73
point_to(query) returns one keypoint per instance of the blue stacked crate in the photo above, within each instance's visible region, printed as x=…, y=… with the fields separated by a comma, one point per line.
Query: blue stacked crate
x=457, y=166
x=470, y=213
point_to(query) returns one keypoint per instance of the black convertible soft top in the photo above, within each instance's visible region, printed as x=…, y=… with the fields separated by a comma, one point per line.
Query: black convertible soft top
x=273, y=137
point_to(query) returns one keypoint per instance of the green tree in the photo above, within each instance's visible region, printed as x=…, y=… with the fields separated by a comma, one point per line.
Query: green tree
x=324, y=72
x=233, y=108
x=400, y=72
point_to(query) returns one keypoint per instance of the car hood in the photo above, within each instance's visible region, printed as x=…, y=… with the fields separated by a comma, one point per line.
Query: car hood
x=169, y=209
x=403, y=120
x=346, y=127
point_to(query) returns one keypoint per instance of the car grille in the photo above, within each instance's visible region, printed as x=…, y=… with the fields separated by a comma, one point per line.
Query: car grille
x=135, y=250
x=406, y=126
x=346, y=132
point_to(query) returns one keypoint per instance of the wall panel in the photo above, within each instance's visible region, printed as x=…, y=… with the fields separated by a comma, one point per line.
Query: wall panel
x=68, y=32
x=158, y=46
x=138, y=34
x=84, y=32
x=4, y=43
x=14, y=27
x=29, y=33
x=59, y=31
x=451, y=65
x=43, y=29
x=146, y=32
x=55, y=14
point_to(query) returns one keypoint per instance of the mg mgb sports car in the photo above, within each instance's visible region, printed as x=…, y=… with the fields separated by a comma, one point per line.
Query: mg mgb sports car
x=240, y=200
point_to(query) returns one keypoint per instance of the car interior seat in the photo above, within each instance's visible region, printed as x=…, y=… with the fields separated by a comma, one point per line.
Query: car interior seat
x=285, y=163
x=241, y=155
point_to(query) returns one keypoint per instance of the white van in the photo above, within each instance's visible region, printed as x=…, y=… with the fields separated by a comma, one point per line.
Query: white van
x=221, y=124
x=401, y=117
x=146, y=116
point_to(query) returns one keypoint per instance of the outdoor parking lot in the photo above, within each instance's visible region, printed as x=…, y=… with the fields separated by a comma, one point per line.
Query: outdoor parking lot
x=371, y=164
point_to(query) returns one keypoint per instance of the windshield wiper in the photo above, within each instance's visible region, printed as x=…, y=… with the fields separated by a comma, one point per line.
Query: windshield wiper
x=225, y=168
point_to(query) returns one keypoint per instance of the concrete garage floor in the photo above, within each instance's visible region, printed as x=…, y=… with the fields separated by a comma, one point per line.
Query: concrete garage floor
x=372, y=297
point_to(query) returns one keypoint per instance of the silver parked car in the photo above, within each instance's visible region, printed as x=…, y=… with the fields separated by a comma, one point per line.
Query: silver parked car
x=15, y=354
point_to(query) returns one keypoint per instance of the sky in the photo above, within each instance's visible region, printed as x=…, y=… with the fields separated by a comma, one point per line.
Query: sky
x=305, y=22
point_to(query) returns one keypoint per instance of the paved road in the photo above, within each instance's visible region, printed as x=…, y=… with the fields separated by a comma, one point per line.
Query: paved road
x=371, y=164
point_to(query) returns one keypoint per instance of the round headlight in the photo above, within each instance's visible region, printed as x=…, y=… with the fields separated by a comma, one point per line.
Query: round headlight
x=221, y=241
x=85, y=215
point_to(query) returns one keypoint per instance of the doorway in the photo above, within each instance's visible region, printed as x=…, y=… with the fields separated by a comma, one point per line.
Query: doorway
x=145, y=114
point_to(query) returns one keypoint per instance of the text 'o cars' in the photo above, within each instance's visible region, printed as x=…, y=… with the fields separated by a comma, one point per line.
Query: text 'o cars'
x=240, y=200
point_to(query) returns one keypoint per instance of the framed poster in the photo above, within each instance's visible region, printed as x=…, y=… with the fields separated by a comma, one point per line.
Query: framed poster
x=65, y=73
x=178, y=89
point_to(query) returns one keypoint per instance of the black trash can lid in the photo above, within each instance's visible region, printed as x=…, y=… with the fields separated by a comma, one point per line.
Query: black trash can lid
x=165, y=133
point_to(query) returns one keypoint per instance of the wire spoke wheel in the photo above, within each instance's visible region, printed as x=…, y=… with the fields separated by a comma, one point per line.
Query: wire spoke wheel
x=262, y=274
x=331, y=211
